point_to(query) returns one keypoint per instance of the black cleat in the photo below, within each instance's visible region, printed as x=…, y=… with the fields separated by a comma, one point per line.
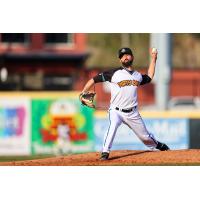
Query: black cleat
x=162, y=147
x=104, y=156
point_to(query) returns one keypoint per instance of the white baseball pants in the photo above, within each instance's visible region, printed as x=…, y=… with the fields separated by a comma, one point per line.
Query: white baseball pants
x=134, y=121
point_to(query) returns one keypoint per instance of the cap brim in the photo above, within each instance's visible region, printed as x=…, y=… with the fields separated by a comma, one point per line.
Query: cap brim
x=120, y=55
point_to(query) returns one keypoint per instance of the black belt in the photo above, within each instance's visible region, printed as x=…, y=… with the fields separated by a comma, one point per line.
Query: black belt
x=126, y=110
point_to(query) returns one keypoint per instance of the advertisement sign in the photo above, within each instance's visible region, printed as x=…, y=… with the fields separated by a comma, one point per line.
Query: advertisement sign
x=61, y=126
x=173, y=132
x=14, y=126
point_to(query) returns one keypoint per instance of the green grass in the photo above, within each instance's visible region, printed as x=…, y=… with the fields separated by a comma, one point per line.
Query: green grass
x=21, y=158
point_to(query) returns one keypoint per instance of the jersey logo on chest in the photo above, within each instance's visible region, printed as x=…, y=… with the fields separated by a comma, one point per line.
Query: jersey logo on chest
x=128, y=83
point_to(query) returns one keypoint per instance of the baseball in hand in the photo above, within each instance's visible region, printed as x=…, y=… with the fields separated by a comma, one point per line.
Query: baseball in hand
x=154, y=50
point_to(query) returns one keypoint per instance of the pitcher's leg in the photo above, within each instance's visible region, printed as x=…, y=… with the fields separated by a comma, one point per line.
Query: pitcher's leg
x=136, y=123
x=115, y=121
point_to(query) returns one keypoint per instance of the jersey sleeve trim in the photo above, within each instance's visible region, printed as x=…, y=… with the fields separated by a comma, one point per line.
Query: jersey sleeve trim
x=103, y=77
x=145, y=79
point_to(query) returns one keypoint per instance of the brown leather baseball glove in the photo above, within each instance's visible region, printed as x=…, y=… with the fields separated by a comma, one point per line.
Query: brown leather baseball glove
x=87, y=99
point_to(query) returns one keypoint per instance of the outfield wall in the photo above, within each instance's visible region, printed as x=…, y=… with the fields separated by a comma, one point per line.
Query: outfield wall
x=56, y=123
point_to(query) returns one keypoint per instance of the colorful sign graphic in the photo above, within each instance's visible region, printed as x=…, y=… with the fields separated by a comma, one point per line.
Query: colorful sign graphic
x=14, y=127
x=61, y=126
x=11, y=121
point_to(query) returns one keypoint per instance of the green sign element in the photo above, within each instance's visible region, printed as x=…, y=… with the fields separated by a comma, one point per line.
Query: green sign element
x=61, y=126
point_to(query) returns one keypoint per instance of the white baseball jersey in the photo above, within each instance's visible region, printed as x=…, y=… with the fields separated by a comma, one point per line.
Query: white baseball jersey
x=124, y=85
x=123, y=108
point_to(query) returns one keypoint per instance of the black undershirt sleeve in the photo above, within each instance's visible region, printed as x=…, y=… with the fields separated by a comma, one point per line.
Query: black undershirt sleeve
x=145, y=79
x=105, y=76
x=98, y=78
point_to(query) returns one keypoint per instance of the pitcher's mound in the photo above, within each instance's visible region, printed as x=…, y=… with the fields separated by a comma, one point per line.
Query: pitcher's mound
x=120, y=158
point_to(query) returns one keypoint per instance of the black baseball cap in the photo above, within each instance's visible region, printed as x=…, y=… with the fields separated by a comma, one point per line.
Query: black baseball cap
x=123, y=51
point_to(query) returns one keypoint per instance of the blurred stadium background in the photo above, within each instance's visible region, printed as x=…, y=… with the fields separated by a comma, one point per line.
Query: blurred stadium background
x=42, y=74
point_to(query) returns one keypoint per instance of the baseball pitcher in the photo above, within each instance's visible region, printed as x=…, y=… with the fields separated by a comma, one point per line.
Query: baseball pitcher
x=124, y=82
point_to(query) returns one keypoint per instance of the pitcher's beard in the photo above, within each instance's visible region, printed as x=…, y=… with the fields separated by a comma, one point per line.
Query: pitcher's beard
x=127, y=64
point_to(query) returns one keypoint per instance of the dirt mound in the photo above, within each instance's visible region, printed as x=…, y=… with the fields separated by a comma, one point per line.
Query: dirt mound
x=120, y=158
